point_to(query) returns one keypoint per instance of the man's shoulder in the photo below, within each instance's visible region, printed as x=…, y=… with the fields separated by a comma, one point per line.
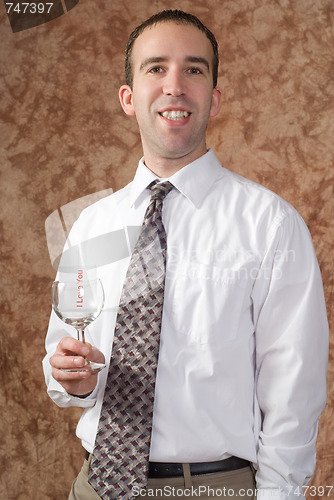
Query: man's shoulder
x=102, y=216
x=113, y=200
x=254, y=194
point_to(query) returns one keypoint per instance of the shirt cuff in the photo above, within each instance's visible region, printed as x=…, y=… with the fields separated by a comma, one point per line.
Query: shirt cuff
x=63, y=399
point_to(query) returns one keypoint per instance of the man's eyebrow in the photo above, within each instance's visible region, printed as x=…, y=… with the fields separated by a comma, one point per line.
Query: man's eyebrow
x=199, y=60
x=152, y=60
x=188, y=59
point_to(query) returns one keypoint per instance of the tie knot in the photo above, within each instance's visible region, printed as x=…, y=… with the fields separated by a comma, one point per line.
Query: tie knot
x=160, y=190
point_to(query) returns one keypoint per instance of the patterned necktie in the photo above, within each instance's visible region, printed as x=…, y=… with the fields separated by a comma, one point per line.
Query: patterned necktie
x=120, y=458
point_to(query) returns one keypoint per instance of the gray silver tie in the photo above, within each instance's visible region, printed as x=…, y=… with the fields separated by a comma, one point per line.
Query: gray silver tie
x=120, y=458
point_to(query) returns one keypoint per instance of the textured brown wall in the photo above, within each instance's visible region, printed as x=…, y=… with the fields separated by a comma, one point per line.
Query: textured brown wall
x=63, y=136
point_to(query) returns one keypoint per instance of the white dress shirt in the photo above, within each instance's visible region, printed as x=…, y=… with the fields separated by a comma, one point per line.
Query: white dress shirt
x=244, y=337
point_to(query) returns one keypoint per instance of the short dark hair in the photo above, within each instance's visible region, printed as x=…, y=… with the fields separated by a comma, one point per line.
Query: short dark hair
x=177, y=17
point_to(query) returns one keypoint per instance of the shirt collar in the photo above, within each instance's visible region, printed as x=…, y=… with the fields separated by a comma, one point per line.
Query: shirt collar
x=193, y=181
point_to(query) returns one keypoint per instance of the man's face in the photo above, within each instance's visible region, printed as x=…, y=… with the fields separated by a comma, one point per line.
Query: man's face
x=172, y=95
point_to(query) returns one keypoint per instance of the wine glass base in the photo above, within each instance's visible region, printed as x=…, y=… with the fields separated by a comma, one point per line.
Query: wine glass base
x=88, y=367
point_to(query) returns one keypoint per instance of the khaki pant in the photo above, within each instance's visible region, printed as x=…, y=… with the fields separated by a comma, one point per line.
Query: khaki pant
x=224, y=485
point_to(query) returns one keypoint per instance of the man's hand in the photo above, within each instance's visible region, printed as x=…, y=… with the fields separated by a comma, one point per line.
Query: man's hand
x=71, y=353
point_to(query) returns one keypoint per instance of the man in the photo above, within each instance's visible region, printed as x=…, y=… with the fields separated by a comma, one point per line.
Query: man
x=243, y=343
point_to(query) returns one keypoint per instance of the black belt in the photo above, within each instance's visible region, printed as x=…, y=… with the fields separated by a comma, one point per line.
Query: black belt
x=164, y=469
x=161, y=469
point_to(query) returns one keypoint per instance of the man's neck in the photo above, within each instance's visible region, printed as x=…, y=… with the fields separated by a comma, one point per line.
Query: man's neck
x=166, y=167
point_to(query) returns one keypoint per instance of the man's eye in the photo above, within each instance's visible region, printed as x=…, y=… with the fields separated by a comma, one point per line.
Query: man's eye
x=155, y=69
x=194, y=71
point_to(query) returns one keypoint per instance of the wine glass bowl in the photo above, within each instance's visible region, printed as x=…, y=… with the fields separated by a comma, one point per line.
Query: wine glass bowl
x=78, y=303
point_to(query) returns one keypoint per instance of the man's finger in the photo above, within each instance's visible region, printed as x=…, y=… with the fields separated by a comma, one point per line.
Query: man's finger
x=69, y=345
x=63, y=376
x=61, y=361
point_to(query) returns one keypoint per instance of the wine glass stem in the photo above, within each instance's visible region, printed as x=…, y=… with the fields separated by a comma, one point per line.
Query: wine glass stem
x=82, y=335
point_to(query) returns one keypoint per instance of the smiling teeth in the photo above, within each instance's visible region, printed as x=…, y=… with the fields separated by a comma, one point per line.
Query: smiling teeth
x=175, y=115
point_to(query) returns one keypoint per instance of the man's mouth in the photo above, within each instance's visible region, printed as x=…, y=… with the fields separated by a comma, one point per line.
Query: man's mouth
x=175, y=115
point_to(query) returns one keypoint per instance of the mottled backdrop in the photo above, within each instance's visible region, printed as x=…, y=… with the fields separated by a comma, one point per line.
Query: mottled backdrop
x=63, y=136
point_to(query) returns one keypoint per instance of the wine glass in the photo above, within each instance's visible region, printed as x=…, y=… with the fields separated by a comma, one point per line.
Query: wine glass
x=78, y=303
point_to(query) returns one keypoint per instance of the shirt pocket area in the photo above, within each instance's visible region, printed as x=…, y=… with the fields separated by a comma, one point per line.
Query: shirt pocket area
x=204, y=302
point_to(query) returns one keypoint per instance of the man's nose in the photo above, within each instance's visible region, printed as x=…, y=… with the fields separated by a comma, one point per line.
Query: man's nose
x=174, y=83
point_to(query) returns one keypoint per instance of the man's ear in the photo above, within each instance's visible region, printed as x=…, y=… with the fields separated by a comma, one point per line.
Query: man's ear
x=216, y=101
x=125, y=98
